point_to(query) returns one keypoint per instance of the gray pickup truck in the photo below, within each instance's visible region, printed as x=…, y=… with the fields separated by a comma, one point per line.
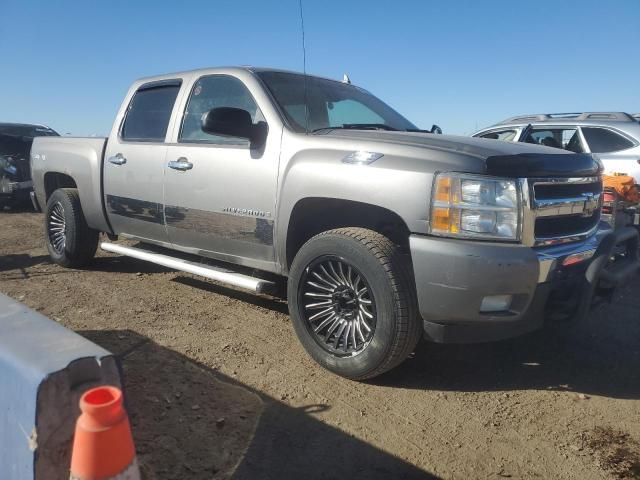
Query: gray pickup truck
x=384, y=232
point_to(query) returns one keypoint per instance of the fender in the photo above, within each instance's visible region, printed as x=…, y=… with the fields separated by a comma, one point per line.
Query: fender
x=320, y=173
x=80, y=160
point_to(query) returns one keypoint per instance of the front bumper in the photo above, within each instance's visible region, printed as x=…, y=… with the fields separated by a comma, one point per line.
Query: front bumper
x=454, y=276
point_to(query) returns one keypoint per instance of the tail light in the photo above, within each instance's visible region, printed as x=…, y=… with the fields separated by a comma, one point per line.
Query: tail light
x=608, y=202
x=609, y=197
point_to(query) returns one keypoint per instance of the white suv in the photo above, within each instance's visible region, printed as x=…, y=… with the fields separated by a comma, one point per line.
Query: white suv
x=613, y=137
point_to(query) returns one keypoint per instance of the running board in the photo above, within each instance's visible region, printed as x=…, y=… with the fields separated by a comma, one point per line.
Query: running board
x=218, y=274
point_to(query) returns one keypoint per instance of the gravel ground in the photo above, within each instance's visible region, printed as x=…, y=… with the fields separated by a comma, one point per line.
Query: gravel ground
x=219, y=387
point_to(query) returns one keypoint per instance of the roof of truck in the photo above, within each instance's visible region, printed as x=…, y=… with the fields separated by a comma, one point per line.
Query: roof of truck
x=228, y=69
x=13, y=124
x=25, y=128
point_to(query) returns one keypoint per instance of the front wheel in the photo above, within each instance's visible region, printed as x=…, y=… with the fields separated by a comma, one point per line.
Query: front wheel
x=352, y=302
x=70, y=241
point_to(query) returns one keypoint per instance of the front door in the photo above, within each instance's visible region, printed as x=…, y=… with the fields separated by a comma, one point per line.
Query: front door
x=219, y=191
x=134, y=164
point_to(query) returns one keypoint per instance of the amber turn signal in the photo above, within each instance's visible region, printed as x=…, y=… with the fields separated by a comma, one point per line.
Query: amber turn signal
x=443, y=189
x=446, y=220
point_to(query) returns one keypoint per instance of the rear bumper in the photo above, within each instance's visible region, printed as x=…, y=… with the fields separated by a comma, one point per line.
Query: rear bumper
x=9, y=188
x=453, y=277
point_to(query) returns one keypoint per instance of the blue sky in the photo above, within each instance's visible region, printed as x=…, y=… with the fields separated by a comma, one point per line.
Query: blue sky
x=461, y=64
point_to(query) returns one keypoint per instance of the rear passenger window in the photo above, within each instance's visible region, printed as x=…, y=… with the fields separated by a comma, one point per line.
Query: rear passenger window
x=211, y=92
x=149, y=113
x=556, y=137
x=602, y=140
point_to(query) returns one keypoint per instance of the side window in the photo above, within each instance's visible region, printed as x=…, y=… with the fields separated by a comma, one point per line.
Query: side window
x=350, y=111
x=565, y=138
x=505, y=135
x=212, y=92
x=602, y=140
x=149, y=113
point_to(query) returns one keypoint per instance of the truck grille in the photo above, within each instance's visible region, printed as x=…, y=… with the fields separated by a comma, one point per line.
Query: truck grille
x=24, y=170
x=562, y=210
x=553, y=227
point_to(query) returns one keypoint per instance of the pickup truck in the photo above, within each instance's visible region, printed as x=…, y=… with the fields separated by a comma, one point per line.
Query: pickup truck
x=384, y=233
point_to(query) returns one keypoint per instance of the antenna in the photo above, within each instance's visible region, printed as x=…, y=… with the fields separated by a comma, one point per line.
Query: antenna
x=304, y=71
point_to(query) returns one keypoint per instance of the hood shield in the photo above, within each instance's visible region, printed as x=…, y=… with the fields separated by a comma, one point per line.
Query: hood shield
x=527, y=165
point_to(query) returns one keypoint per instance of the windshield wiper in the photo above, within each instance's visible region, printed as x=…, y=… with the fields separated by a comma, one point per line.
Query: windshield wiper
x=358, y=126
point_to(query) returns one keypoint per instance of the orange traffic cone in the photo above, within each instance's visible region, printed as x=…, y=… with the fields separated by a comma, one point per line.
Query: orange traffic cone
x=103, y=447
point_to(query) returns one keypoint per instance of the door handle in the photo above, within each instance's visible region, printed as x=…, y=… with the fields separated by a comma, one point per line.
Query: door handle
x=118, y=159
x=181, y=164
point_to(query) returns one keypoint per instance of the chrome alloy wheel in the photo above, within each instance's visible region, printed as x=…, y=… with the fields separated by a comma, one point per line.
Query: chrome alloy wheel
x=338, y=306
x=57, y=229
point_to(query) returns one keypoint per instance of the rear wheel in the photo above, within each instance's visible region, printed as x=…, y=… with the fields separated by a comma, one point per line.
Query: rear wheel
x=70, y=241
x=352, y=302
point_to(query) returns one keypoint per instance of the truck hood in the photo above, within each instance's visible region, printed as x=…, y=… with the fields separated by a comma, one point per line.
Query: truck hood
x=497, y=157
x=477, y=147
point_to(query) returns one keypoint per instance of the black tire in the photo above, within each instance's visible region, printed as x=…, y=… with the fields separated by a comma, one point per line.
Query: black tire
x=63, y=215
x=386, y=278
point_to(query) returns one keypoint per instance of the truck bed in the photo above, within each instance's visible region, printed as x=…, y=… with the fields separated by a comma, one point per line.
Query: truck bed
x=54, y=159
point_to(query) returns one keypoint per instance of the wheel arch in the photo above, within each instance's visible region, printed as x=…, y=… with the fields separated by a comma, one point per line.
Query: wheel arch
x=90, y=200
x=313, y=215
x=56, y=180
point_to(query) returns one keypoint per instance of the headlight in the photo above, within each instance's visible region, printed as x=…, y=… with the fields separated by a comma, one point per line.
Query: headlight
x=473, y=206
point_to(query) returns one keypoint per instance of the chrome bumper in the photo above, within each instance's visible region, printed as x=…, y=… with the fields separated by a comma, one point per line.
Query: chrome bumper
x=453, y=278
x=552, y=258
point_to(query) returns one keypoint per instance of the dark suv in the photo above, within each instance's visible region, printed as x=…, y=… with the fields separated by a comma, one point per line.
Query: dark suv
x=15, y=175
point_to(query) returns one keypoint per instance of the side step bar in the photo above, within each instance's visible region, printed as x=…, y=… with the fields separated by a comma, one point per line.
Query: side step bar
x=218, y=274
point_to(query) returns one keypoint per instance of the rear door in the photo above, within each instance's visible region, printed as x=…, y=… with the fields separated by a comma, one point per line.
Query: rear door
x=618, y=153
x=135, y=159
x=219, y=191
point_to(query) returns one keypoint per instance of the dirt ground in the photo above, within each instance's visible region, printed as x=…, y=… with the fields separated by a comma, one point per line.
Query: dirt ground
x=218, y=386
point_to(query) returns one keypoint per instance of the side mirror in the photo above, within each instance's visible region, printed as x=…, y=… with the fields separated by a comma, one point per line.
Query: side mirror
x=436, y=129
x=234, y=122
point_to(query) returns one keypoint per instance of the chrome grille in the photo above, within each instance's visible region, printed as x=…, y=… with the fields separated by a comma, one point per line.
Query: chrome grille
x=560, y=210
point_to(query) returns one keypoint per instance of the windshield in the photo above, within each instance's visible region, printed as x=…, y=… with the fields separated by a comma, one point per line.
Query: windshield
x=330, y=104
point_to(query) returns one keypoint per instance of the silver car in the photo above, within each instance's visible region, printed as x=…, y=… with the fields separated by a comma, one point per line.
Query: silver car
x=613, y=137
